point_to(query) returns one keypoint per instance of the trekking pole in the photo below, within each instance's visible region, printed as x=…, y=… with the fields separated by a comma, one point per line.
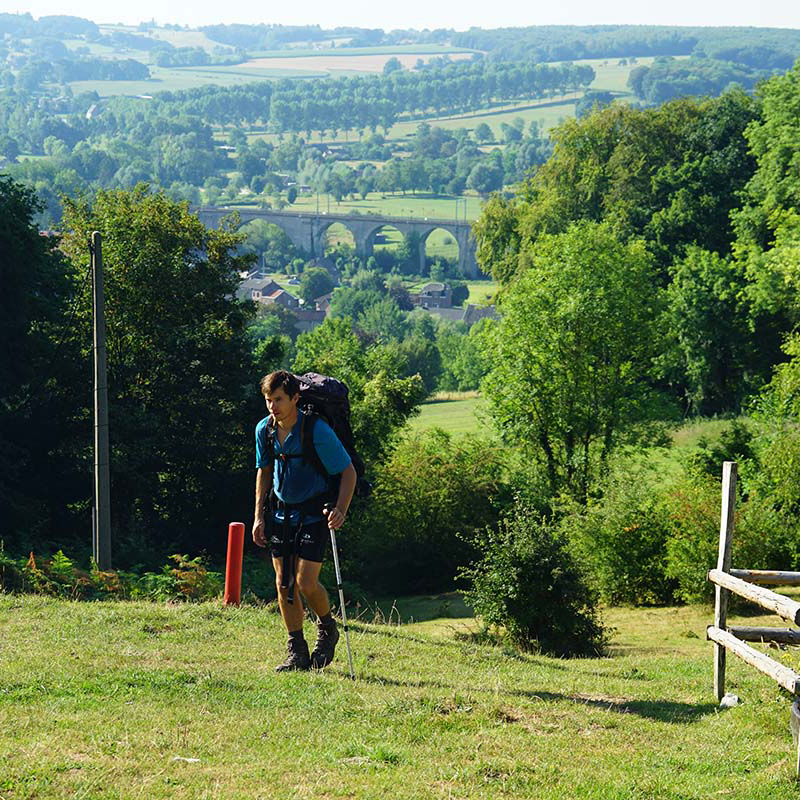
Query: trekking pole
x=341, y=600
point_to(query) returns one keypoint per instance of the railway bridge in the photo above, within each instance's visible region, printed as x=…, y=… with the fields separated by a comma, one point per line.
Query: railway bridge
x=307, y=230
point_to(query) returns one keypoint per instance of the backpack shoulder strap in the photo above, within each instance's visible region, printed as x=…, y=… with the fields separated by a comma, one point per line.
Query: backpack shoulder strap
x=310, y=454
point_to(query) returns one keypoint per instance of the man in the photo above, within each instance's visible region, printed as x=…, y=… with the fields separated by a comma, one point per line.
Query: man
x=309, y=498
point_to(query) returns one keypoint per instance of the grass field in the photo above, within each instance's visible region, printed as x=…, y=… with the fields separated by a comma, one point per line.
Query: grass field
x=420, y=206
x=336, y=62
x=111, y=701
x=311, y=63
x=457, y=415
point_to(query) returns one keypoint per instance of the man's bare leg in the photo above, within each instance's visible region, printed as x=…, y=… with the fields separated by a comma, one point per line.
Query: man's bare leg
x=315, y=593
x=291, y=613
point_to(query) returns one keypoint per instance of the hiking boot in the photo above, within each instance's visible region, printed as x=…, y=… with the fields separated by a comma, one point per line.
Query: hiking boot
x=327, y=636
x=296, y=656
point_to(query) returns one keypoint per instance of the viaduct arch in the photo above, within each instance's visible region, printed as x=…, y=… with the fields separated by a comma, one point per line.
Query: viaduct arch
x=307, y=231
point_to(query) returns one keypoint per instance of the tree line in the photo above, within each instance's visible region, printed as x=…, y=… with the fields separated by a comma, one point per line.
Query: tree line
x=763, y=48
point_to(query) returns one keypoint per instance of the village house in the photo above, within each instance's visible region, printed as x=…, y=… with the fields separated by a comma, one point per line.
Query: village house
x=433, y=295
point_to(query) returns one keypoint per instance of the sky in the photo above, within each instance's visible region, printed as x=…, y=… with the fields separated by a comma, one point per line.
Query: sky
x=425, y=13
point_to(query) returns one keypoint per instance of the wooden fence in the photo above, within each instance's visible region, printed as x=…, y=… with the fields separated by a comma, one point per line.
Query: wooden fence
x=742, y=582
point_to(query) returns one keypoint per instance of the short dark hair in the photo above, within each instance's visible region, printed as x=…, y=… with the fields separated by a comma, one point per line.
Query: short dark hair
x=280, y=379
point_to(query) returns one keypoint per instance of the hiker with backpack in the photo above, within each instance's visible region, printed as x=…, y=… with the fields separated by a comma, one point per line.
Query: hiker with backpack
x=305, y=481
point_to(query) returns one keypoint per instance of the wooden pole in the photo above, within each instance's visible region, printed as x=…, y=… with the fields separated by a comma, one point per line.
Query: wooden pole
x=770, y=601
x=102, y=480
x=724, y=564
x=786, y=677
x=767, y=577
x=781, y=635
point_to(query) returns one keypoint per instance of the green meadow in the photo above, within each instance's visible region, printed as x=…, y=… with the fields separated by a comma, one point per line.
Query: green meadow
x=118, y=700
x=421, y=205
x=453, y=412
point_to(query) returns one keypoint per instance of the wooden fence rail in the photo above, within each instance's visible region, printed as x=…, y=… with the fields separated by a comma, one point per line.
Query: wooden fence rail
x=742, y=583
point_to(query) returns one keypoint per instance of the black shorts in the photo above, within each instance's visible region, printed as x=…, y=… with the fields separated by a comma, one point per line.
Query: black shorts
x=310, y=540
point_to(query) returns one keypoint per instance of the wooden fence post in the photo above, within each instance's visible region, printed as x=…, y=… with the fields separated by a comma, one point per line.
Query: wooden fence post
x=724, y=564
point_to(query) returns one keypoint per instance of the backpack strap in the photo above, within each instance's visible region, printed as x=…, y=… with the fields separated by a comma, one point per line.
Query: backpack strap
x=307, y=447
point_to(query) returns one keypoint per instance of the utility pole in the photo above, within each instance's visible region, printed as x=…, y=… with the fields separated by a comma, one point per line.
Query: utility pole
x=101, y=540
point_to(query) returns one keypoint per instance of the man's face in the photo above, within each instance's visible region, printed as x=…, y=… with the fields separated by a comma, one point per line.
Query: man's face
x=280, y=405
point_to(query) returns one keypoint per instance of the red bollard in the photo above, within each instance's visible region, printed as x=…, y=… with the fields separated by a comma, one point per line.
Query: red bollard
x=233, y=568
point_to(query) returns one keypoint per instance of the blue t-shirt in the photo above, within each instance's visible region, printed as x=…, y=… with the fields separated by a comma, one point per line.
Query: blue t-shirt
x=300, y=481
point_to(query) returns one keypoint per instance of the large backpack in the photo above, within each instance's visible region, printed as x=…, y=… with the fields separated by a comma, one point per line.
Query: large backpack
x=328, y=398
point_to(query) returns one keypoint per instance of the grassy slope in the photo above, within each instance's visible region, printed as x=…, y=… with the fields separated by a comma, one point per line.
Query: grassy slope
x=454, y=416
x=98, y=700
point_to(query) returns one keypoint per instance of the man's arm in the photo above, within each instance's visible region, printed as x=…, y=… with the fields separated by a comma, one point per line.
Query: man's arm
x=263, y=486
x=347, y=486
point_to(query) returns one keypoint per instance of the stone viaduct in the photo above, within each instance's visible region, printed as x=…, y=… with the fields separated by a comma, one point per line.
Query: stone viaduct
x=307, y=230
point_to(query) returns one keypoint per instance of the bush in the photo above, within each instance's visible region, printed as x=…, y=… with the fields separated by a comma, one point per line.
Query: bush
x=185, y=579
x=433, y=495
x=530, y=587
x=623, y=539
x=764, y=536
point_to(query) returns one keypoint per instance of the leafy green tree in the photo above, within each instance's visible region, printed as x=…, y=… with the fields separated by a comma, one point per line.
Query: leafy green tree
x=710, y=320
x=422, y=358
x=36, y=383
x=381, y=400
x=432, y=498
x=350, y=302
x=272, y=244
x=647, y=172
x=465, y=355
x=392, y=65
x=775, y=142
x=178, y=365
x=315, y=282
x=383, y=321
x=483, y=133
x=572, y=354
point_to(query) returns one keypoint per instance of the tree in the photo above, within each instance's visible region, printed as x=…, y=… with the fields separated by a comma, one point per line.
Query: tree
x=710, y=323
x=529, y=585
x=573, y=352
x=380, y=398
x=178, y=363
x=483, y=133
x=647, y=172
x=383, y=321
x=315, y=282
x=485, y=178
x=392, y=65
x=37, y=378
x=419, y=544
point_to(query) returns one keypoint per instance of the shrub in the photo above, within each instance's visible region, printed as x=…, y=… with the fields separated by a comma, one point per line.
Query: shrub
x=693, y=507
x=432, y=496
x=528, y=586
x=186, y=579
x=623, y=539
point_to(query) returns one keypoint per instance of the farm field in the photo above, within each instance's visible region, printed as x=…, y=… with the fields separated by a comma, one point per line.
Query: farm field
x=458, y=414
x=420, y=205
x=272, y=65
x=126, y=700
x=381, y=50
x=336, y=64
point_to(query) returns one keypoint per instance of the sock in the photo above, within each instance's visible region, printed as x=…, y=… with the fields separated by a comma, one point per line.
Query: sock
x=327, y=621
x=297, y=635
